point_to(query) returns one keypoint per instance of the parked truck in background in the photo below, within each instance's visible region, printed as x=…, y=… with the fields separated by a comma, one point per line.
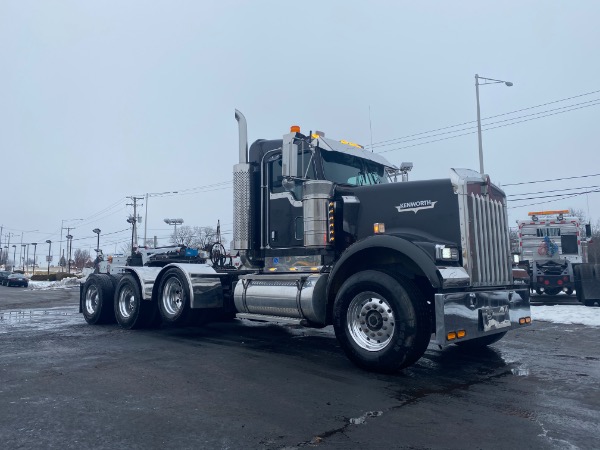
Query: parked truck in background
x=327, y=235
x=553, y=248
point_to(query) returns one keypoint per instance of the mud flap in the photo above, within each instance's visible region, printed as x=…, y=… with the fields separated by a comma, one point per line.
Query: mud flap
x=587, y=282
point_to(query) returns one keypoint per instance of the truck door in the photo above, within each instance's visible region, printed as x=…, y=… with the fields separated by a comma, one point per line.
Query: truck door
x=285, y=226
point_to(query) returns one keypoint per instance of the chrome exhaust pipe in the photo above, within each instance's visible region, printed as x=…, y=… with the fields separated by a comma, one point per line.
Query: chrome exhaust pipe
x=243, y=136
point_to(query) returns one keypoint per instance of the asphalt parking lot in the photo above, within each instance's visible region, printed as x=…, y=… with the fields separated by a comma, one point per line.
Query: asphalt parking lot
x=65, y=384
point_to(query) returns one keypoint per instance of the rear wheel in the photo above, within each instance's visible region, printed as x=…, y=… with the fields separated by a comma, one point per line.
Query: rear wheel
x=174, y=299
x=97, y=304
x=538, y=291
x=130, y=310
x=569, y=291
x=382, y=323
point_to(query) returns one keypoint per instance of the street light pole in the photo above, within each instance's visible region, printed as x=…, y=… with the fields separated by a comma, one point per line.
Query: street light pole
x=477, y=84
x=49, y=242
x=174, y=222
x=14, y=257
x=22, y=256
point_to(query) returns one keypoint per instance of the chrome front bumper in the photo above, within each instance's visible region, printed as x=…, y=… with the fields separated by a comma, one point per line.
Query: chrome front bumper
x=477, y=314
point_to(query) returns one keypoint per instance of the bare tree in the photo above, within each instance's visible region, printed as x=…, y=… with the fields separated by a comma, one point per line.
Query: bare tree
x=81, y=258
x=195, y=237
x=183, y=236
x=579, y=213
x=126, y=248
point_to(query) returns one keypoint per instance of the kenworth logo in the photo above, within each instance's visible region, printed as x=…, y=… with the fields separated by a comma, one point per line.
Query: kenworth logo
x=416, y=206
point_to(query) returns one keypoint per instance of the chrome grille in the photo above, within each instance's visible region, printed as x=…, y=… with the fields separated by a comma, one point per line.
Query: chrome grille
x=490, y=263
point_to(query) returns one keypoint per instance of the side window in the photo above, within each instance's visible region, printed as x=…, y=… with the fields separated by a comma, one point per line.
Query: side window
x=275, y=176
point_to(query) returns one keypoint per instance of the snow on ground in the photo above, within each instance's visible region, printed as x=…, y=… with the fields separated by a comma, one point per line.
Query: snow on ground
x=568, y=314
x=62, y=284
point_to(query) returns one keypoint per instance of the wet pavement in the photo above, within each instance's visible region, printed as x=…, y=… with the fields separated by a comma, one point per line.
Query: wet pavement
x=236, y=385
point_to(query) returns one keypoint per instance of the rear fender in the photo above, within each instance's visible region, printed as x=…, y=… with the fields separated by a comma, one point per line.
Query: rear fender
x=203, y=282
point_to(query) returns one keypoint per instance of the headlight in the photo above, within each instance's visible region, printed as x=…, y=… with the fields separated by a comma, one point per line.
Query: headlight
x=445, y=253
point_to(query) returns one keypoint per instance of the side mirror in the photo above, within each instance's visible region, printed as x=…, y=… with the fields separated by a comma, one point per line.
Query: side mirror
x=588, y=230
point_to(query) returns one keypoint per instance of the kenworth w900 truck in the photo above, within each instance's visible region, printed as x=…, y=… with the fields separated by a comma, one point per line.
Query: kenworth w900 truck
x=327, y=236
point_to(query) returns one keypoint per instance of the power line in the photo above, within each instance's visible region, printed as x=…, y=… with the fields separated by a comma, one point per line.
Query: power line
x=486, y=118
x=551, y=179
x=562, y=197
x=489, y=128
x=552, y=190
x=513, y=120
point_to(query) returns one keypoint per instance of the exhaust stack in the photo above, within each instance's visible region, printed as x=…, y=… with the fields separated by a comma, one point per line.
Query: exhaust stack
x=243, y=136
x=242, y=195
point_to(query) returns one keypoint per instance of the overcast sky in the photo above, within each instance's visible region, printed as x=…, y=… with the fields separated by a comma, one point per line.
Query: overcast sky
x=104, y=100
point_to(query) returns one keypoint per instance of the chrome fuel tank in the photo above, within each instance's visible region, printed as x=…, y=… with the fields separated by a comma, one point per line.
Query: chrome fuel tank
x=300, y=296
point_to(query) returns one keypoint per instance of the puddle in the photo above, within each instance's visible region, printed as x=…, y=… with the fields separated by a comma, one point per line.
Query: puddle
x=38, y=318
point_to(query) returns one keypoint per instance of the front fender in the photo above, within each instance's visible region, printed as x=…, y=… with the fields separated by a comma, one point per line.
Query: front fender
x=382, y=244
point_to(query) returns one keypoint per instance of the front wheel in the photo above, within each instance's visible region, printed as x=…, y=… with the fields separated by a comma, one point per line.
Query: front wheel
x=382, y=324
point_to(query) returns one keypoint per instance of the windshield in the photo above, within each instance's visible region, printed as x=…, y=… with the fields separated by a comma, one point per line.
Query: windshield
x=347, y=169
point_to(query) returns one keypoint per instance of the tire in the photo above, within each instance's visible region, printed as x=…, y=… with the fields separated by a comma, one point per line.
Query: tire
x=552, y=291
x=569, y=291
x=482, y=341
x=130, y=310
x=174, y=299
x=396, y=328
x=97, y=300
x=538, y=291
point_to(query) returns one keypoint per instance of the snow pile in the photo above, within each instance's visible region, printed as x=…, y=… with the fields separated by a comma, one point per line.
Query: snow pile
x=567, y=314
x=65, y=283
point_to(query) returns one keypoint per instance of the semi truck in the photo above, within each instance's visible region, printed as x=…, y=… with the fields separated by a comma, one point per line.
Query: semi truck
x=553, y=249
x=330, y=234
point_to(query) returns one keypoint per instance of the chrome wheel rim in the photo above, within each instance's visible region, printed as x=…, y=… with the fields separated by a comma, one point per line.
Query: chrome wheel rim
x=172, y=297
x=92, y=299
x=127, y=302
x=370, y=321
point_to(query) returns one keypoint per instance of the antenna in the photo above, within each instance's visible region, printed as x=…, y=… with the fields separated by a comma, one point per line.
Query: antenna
x=371, y=128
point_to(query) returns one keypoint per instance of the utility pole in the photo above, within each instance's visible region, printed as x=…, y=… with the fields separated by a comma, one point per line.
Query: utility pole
x=134, y=220
x=60, y=242
x=69, y=247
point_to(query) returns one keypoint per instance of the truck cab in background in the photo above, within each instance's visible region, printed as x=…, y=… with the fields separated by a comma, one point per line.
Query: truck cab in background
x=553, y=248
